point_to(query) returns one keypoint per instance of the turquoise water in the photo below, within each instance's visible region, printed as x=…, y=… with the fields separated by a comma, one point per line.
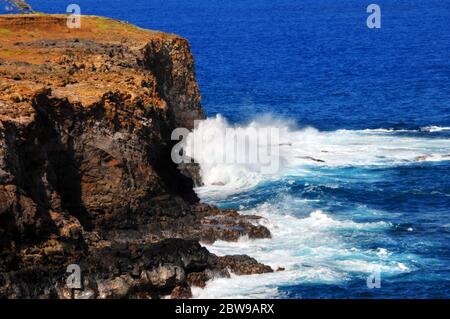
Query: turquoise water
x=372, y=105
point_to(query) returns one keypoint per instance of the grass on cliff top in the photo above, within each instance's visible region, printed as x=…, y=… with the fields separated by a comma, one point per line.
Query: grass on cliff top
x=105, y=26
x=108, y=24
x=102, y=23
x=6, y=32
x=6, y=53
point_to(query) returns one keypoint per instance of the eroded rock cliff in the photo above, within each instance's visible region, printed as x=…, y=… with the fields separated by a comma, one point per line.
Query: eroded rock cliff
x=85, y=170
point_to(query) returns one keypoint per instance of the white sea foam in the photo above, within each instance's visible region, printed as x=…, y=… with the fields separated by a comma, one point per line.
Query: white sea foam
x=433, y=128
x=301, y=149
x=312, y=249
x=316, y=247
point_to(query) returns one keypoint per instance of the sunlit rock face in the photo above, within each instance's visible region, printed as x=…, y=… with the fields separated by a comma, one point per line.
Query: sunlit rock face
x=86, y=176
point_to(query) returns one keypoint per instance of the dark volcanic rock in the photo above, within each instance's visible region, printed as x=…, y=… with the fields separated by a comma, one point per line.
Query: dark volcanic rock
x=242, y=265
x=86, y=175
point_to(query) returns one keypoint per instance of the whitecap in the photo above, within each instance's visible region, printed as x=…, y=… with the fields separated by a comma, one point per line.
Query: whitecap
x=312, y=249
x=303, y=150
x=433, y=128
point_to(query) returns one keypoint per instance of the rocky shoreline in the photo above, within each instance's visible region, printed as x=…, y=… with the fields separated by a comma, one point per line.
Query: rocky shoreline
x=86, y=175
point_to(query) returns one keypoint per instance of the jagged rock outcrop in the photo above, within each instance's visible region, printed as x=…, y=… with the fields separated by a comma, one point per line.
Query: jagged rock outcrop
x=86, y=175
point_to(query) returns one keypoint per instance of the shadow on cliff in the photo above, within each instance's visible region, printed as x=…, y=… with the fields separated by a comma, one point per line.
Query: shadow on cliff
x=51, y=163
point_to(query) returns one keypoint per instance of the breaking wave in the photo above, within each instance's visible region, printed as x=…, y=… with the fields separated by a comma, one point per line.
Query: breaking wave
x=301, y=149
x=314, y=246
x=312, y=249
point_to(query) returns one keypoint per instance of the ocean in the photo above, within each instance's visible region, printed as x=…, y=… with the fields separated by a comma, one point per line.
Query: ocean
x=371, y=106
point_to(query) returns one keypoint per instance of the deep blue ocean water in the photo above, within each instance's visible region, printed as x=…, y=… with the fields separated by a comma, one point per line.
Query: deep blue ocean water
x=381, y=201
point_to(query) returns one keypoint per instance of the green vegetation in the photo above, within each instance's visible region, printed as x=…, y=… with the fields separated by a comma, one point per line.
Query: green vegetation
x=5, y=32
x=11, y=53
x=108, y=24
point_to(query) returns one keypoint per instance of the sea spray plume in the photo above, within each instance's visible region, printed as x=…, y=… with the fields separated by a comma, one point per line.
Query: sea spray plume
x=234, y=154
x=300, y=149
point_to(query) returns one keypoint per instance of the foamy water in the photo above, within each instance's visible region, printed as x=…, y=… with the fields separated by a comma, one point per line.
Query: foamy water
x=310, y=249
x=301, y=148
x=318, y=247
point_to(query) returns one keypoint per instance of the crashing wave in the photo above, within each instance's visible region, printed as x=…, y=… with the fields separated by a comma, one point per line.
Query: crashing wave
x=301, y=148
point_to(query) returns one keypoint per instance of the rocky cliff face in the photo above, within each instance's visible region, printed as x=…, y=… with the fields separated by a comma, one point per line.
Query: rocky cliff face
x=85, y=170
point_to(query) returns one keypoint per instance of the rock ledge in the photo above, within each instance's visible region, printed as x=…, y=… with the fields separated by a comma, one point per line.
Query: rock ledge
x=85, y=171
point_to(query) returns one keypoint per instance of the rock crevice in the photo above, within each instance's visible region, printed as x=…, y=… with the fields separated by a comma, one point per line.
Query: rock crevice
x=86, y=175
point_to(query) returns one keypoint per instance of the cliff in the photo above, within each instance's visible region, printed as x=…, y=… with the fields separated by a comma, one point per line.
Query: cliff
x=85, y=170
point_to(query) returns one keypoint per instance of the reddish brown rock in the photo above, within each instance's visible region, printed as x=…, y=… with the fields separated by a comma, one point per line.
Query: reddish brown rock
x=242, y=265
x=198, y=279
x=181, y=292
x=86, y=175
